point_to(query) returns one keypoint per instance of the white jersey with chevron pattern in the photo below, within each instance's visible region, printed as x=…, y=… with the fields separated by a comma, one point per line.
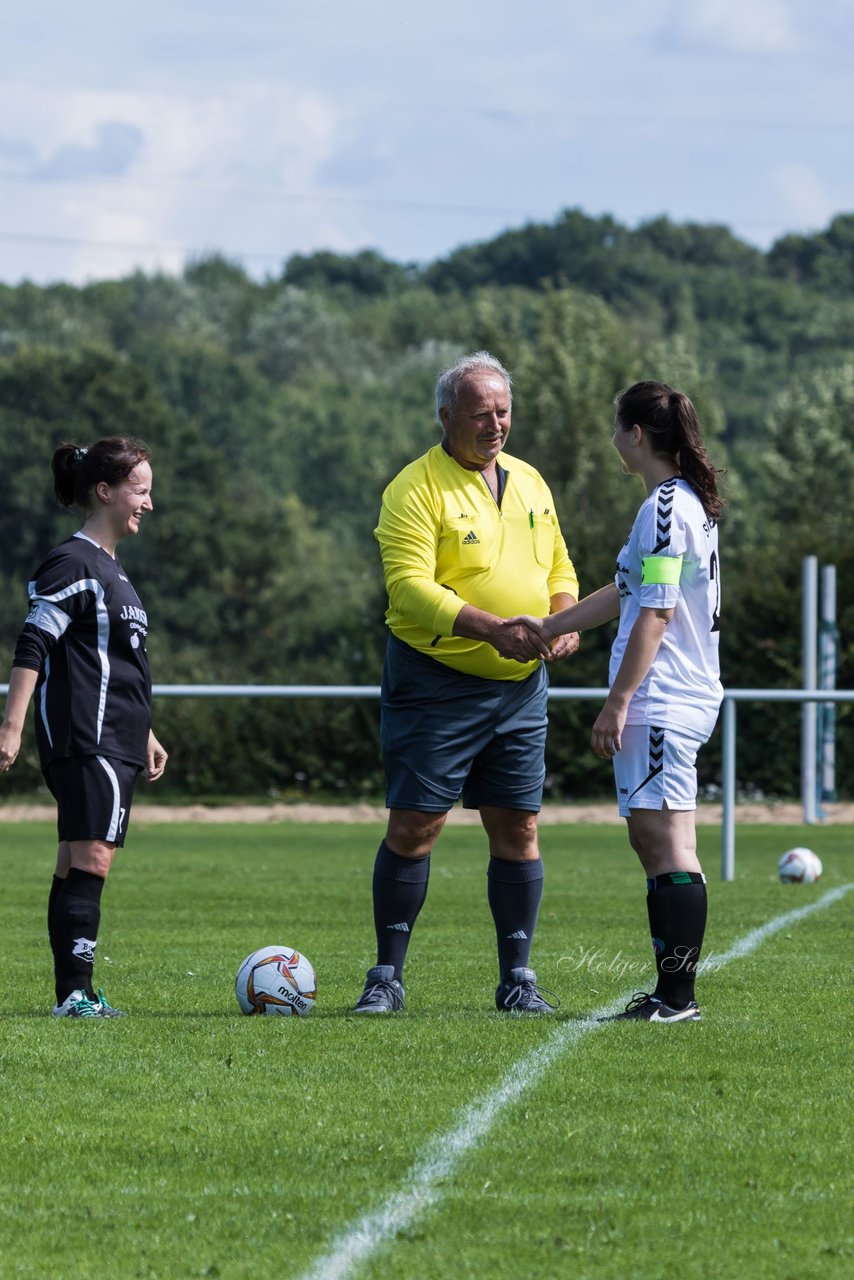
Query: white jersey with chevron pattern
x=670, y=561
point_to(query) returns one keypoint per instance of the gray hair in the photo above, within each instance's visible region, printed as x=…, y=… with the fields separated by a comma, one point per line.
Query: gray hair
x=449, y=381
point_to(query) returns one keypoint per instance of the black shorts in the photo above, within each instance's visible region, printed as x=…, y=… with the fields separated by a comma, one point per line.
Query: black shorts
x=93, y=796
x=444, y=733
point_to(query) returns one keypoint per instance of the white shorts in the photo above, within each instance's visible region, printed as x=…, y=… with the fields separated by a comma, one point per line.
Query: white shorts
x=655, y=768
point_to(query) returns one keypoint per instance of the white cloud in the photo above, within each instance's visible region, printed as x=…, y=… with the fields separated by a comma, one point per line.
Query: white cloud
x=411, y=130
x=809, y=205
x=200, y=171
x=115, y=147
x=734, y=26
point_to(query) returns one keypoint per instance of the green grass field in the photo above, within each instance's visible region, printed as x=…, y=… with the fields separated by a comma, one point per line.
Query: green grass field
x=187, y=1140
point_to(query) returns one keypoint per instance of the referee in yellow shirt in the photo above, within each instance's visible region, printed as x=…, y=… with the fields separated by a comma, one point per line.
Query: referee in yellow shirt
x=469, y=537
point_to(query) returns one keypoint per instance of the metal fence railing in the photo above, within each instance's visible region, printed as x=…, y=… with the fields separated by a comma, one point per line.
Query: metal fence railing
x=729, y=728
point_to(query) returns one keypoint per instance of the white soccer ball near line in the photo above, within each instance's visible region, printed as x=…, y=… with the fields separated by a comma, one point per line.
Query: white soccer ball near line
x=276, y=980
x=799, y=866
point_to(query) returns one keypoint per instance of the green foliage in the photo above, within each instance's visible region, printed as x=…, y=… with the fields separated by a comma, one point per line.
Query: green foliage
x=367, y=274
x=602, y=257
x=826, y=260
x=301, y=333
x=278, y=411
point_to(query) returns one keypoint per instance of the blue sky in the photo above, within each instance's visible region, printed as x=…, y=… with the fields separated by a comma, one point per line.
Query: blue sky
x=135, y=137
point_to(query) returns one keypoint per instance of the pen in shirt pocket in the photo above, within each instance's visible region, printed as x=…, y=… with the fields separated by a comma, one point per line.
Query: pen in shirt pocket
x=531, y=517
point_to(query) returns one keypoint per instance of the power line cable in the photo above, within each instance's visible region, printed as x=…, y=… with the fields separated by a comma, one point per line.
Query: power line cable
x=501, y=112
x=124, y=246
x=273, y=194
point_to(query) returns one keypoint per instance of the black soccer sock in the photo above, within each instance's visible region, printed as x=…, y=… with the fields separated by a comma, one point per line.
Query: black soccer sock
x=400, y=887
x=514, y=890
x=56, y=887
x=676, y=903
x=77, y=914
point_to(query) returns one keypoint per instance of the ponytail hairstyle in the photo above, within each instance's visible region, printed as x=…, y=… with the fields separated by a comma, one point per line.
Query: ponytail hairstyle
x=78, y=469
x=671, y=423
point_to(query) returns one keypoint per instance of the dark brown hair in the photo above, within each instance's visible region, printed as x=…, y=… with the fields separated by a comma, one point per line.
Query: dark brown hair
x=674, y=431
x=78, y=468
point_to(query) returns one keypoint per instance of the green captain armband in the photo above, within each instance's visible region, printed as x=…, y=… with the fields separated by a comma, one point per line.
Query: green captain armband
x=661, y=571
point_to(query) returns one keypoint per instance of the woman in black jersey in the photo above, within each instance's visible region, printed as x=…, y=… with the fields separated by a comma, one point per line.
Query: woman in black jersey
x=82, y=653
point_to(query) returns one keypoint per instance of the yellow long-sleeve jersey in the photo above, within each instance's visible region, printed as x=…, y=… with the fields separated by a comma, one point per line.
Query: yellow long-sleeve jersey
x=445, y=543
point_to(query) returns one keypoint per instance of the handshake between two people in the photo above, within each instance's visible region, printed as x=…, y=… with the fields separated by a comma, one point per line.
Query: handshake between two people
x=557, y=636
x=525, y=638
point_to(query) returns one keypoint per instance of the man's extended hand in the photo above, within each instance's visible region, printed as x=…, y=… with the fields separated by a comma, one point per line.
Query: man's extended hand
x=520, y=639
x=558, y=646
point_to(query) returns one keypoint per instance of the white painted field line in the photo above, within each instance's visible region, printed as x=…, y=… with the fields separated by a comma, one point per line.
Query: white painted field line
x=756, y=937
x=422, y=1187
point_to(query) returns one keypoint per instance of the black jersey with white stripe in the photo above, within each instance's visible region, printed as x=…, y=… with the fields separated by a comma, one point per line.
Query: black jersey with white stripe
x=86, y=636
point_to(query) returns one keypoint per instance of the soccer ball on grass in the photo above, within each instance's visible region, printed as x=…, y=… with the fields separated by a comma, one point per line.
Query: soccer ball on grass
x=799, y=866
x=276, y=980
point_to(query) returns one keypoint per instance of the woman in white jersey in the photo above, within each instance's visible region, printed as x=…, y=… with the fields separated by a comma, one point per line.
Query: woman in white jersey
x=664, y=676
x=82, y=653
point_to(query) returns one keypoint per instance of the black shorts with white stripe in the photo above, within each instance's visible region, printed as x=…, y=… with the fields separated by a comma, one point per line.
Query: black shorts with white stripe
x=93, y=795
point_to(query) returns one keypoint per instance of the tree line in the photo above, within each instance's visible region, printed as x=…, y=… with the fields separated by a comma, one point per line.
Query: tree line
x=277, y=411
